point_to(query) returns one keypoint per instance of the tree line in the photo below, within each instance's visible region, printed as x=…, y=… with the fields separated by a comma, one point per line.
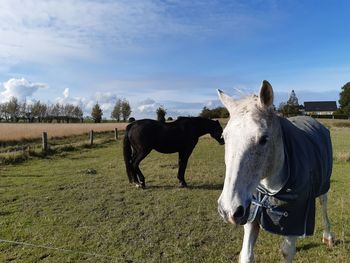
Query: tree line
x=292, y=108
x=15, y=111
x=216, y=113
x=289, y=108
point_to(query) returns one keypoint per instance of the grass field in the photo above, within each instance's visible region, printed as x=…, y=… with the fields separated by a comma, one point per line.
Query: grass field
x=58, y=202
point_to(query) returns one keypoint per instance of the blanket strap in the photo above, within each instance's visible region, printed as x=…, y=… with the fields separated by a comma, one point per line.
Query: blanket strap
x=262, y=202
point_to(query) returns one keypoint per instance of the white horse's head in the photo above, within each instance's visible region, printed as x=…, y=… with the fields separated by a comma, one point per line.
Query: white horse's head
x=250, y=151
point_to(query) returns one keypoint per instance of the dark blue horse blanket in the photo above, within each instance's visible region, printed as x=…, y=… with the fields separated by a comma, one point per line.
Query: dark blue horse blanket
x=306, y=175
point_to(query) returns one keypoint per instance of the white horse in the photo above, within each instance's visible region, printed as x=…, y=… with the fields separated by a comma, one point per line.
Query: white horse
x=275, y=168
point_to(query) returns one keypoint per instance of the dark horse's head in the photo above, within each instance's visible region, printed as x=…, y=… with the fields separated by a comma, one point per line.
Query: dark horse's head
x=216, y=132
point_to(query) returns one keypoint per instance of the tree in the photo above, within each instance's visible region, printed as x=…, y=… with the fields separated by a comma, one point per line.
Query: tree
x=68, y=112
x=25, y=111
x=39, y=111
x=4, y=111
x=161, y=112
x=344, y=99
x=78, y=113
x=13, y=107
x=281, y=107
x=291, y=107
x=205, y=113
x=218, y=112
x=293, y=100
x=125, y=109
x=97, y=113
x=116, y=113
x=55, y=112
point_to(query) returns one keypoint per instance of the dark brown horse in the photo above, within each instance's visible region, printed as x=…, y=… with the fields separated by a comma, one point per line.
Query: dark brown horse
x=181, y=136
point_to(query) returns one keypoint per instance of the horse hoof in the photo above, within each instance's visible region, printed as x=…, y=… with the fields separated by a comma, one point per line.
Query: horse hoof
x=183, y=185
x=143, y=186
x=328, y=239
x=329, y=242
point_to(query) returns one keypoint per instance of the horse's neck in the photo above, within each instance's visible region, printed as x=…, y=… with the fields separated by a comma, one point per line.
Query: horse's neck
x=202, y=126
x=276, y=159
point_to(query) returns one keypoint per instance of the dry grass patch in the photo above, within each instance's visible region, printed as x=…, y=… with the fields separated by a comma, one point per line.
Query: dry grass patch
x=30, y=131
x=342, y=156
x=331, y=123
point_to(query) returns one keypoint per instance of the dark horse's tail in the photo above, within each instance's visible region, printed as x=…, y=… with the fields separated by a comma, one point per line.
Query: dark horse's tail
x=128, y=154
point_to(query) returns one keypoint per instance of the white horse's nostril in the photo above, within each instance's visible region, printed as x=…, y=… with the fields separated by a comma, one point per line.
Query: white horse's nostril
x=221, y=211
x=225, y=215
x=239, y=213
x=230, y=219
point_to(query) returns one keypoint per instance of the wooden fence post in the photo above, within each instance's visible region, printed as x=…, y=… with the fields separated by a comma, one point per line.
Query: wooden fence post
x=91, y=136
x=44, y=142
x=116, y=134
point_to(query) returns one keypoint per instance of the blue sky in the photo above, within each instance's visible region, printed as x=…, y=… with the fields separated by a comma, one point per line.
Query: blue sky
x=171, y=53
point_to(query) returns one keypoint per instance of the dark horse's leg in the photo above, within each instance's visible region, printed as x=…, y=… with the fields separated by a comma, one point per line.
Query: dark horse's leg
x=138, y=157
x=183, y=159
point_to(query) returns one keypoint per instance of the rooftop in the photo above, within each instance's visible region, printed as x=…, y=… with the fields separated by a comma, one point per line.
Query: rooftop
x=320, y=106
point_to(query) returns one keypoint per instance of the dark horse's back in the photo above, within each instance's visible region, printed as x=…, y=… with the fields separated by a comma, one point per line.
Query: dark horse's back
x=163, y=137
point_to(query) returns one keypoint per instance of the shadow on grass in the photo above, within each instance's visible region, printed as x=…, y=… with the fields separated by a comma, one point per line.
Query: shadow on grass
x=207, y=186
x=160, y=187
x=341, y=242
x=314, y=245
x=189, y=187
x=5, y=213
x=309, y=246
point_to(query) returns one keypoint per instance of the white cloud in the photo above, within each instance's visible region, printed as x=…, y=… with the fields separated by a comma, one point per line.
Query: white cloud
x=106, y=100
x=19, y=88
x=49, y=31
x=147, y=106
x=66, y=93
x=42, y=31
x=140, y=109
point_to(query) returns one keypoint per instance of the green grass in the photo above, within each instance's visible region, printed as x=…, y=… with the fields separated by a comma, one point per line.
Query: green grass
x=61, y=202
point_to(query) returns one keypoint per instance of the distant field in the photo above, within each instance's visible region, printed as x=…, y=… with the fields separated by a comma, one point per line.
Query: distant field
x=28, y=131
x=335, y=123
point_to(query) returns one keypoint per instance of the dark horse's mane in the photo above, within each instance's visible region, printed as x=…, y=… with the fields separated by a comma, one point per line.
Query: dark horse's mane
x=191, y=118
x=187, y=118
x=184, y=118
x=179, y=136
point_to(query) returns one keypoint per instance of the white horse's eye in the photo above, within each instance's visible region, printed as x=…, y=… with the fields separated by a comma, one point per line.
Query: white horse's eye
x=263, y=139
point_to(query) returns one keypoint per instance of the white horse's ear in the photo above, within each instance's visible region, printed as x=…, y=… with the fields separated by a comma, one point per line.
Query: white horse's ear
x=228, y=101
x=266, y=94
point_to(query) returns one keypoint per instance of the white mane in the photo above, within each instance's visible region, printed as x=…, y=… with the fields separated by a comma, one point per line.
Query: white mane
x=251, y=105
